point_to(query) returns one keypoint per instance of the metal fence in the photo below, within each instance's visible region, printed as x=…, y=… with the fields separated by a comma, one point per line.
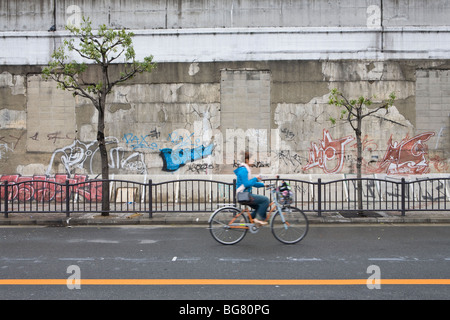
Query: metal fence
x=41, y=194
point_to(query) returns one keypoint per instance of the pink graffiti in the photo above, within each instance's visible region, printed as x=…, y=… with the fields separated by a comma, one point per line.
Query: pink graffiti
x=406, y=157
x=328, y=154
x=43, y=188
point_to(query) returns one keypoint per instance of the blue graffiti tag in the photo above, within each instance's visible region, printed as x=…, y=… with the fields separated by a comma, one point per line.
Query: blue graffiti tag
x=134, y=142
x=174, y=159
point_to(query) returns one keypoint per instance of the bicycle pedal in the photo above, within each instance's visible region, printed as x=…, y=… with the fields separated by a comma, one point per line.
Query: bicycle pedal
x=253, y=228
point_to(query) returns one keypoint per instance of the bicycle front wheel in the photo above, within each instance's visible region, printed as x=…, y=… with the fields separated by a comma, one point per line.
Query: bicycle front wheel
x=291, y=226
x=228, y=225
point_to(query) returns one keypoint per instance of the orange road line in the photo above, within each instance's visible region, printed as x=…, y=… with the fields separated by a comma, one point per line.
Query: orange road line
x=251, y=282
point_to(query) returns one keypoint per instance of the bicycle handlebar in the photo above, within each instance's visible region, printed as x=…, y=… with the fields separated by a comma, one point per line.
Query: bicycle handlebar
x=272, y=185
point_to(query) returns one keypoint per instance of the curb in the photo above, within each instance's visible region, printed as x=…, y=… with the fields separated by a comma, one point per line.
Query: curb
x=396, y=220
x=203, y=221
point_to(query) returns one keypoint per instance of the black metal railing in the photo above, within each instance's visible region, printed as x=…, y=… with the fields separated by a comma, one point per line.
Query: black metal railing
x=191, y=195
x=429, y=194
x=63, y=194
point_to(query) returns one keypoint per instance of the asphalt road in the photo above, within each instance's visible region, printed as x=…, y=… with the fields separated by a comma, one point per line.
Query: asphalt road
x=328, y=253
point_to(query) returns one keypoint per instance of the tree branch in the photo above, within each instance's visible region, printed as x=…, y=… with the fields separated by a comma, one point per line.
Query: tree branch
x=385, y=106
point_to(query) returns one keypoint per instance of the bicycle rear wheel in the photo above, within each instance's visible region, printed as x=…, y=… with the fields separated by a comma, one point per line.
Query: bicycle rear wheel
x=227, y=225
x=290, y=228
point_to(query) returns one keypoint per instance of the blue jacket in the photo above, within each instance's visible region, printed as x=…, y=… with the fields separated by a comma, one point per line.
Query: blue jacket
x=242, y=179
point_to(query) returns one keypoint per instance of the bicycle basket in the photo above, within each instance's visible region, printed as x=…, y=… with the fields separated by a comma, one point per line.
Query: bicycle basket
x=285, y=197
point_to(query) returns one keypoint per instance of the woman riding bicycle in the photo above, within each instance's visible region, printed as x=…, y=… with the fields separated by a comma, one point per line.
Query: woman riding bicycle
x=245, y=182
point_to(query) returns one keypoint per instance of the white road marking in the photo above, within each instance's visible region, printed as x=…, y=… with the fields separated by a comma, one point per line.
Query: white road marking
x=303, y=259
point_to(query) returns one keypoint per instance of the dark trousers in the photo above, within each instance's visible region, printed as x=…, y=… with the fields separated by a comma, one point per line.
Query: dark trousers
x=259, y=205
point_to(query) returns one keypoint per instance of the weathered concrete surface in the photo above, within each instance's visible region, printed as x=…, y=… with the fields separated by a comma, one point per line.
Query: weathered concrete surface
x=187, y=31
x=31, y=15
x=233, y=75
x=183, y=106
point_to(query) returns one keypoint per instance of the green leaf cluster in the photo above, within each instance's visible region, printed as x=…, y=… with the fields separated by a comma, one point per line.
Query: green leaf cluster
x=353, y=109
x=101, y=47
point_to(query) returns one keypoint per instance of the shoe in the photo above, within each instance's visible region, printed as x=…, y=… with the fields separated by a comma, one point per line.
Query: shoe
x=259, y=222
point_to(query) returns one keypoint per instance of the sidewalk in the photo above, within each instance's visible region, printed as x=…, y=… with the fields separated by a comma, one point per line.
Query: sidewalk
x=201, y=219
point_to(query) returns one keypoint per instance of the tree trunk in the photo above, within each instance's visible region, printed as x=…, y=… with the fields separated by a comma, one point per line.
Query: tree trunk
x=104, y=160
x=359, y=163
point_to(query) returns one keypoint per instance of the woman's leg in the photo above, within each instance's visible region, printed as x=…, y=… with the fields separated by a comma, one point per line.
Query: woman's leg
x=260, y=203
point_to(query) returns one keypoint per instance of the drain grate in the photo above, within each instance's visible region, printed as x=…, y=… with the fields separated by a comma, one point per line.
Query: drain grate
x=365, y=214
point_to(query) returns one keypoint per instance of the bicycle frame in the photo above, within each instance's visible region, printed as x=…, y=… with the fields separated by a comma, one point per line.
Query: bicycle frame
x=274, y=206
x=228, y=225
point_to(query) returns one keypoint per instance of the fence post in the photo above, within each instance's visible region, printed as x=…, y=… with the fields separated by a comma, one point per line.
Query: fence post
x=319, y=197
x=5, y=199
x=403, y=200
x=150, y=199
x=67, y=199
x=234, y=192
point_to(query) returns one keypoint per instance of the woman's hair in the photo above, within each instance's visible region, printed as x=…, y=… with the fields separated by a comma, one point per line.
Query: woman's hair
x=246, y=156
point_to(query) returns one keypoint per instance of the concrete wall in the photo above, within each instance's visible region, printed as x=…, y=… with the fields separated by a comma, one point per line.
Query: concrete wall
x=231, y=30
x=40, y=15
x=279, y=109
x=233, y=75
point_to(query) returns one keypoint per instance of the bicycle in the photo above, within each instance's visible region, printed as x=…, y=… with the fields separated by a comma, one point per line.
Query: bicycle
x=229, y=225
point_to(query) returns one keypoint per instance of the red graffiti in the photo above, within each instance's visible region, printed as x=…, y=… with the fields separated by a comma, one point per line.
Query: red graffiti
x=43, y=188
x=406, y=157
x=328, y=154
x=439, y=164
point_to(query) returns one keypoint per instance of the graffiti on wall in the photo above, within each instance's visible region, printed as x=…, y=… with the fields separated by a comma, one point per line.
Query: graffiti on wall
x=83, y=155
x=181, y=147
x=405, y=157
x=328, y=154
x=418, y=190
x=184, y=147
x=8, y=144
x=134, y=141
x=43, y=188
x=409, y=156
x=174, y=159
x=4, y=149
